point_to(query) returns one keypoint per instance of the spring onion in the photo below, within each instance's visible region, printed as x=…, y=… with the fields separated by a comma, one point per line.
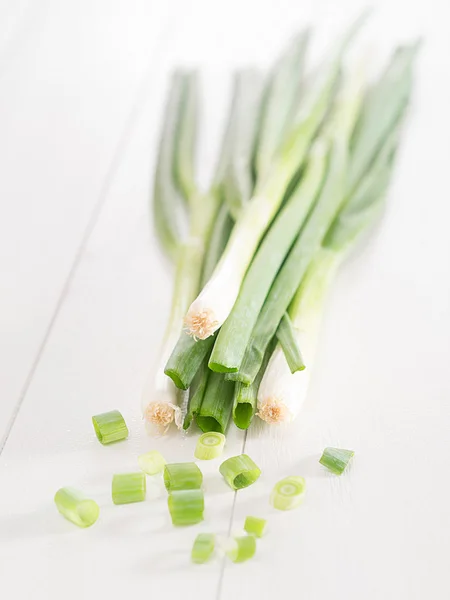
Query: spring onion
x=186, y=506
x=203, y=547
x=288, y=493
x=151, y=462
x=128, y=487
x=76, y=508
x=209, y=445
x=110, y=427
x=182, y=476
x=209, y=311
x=336, y=459
x=282, y=394
x=255, y=526
x=308, y=242
x=235, y=333
x=239, y=471
x=184, y=242
x=242, y=548
x=215, y=411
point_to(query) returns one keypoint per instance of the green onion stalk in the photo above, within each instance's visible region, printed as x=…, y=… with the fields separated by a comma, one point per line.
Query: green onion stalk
x=175, y=194
x=282, y=393
x=215, y=302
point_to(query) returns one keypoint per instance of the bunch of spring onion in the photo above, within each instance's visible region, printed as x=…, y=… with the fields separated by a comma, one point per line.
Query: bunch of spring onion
x=304, y=168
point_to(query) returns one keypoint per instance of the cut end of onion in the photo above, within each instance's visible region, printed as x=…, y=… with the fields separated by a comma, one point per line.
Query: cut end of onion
x=201, y=324
x=160, y=414
x=273, y=411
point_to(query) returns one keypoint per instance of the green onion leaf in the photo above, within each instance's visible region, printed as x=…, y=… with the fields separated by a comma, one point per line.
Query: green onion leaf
x=241, y=548
x=288, y=493
x=196, y=394
x=215, y=411
x=245, y=396
x=128, y=487
x=203, y=547
x=234, y=336
x=110, y=427
x=152, y=462
x=182, y=476
x=76, y=508
x=288, y=341
x=209, y=445
x=239, y=471
x=336, y=459
x=255, y=526
x=186, y=506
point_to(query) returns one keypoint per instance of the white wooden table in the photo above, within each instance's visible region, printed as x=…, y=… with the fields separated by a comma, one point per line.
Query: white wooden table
x=85, y=290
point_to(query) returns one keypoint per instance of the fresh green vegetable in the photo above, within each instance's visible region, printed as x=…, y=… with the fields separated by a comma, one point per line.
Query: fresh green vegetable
x=203, y=547
x=128, y=487
x=242, y=548
x=235, y=333
x=151, y=462
x=282, y=394
x=182, y=476
x=309, y=241
x=110, y=427
x=245, y=396
x=239, y=471
x=208, y=312
x=76, y=508
x=336, y=459
x=186, y=506
x=288, y=493
x=209, y=445
x=215, y=411
x=255, y=526
x=287, y=337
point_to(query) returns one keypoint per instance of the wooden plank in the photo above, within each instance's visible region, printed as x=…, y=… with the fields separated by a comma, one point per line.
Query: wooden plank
x=66, y=92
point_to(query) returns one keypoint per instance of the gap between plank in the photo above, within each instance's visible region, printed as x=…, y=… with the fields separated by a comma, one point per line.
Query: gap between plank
x=164, y=38
x=230, y=525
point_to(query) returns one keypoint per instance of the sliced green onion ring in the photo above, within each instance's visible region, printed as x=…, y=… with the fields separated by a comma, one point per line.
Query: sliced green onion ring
x=152, y=462
x=76, y=507
x=182, y=476
x=255, y=526
x=336, y=459
x=288, y=493
x=203, y=547
x=209, y=445
x=128, y=487
x=186, y=506
x=239, y=471
x=241, y=548
x=110, y=427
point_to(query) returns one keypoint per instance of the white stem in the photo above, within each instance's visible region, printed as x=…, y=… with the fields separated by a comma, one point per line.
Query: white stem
x=281, y=394
x=214, y=303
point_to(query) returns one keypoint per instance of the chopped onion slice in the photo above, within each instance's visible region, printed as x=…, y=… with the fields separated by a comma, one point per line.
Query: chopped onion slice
x=182, y=476
x=152, y=462
x=186, y=506
x=209, y=445
x=128, y=487
x=241, y=548
x=255, y=526
x=288, y=493
x=239, y=471
x=76, y=508
x=110, y=427
x=336, y=459
x=203, y=547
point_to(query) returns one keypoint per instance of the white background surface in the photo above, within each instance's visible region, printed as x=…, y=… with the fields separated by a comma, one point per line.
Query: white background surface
x=85, y=290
